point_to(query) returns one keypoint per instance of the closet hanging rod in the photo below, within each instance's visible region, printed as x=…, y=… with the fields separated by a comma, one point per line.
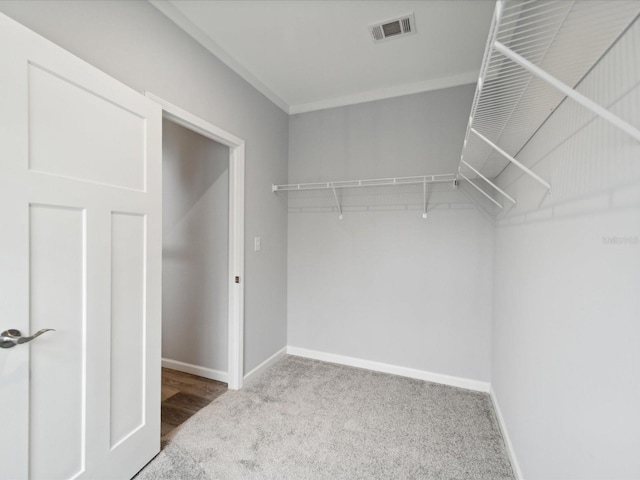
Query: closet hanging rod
x=375, y=182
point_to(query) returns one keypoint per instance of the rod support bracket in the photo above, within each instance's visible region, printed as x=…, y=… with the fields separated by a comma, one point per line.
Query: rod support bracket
x=335, y=196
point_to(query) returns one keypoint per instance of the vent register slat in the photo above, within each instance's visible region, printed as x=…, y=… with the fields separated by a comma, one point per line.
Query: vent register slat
x=406, y=25
x=377, y=33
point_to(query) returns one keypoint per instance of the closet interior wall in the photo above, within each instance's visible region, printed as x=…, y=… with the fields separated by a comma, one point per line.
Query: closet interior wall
x=383, y=284
x=566, y=329
x=195, y=244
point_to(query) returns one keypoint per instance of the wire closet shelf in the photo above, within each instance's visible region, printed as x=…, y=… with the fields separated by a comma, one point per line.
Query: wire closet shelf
x=537, y=53
x=424, y=182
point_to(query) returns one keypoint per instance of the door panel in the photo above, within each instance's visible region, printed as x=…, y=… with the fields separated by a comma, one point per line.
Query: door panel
x=109, y=150
x=127, y=324
x=57, y=300
x=80, y=252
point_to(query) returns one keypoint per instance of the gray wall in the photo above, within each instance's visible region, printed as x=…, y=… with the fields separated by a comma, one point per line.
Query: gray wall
x=195, y=244
x=384, y=284
x=135, y=43
x=566, y=334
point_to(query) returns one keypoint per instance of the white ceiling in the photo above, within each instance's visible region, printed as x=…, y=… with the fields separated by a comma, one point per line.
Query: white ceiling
x=312, y=54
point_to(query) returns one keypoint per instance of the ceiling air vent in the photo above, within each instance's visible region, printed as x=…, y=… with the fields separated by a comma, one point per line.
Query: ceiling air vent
x=398, y=27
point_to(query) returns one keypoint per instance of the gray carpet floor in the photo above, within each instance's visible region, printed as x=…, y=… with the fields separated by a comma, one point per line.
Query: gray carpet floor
x=304, y=419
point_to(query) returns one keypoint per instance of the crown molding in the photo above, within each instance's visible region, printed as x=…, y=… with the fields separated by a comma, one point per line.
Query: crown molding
x=389, y=92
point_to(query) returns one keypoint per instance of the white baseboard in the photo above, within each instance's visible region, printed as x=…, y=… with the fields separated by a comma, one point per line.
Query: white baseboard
x=264, y=365
x=505, y=434
x=461, y=382
x=196, y=370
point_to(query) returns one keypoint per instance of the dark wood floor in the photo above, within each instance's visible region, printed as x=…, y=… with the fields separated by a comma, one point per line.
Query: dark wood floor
x=183, y=395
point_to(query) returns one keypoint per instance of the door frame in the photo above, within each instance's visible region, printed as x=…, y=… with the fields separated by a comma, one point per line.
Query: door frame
x=236, y=228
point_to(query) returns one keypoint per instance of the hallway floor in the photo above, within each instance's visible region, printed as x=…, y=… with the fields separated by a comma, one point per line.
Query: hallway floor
x=183, y=395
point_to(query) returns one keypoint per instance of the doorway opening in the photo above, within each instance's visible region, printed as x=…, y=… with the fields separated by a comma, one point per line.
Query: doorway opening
x=203, y=259
x=195, y=226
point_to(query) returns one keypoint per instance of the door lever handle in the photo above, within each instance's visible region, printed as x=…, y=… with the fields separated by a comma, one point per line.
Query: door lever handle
x=10, y=338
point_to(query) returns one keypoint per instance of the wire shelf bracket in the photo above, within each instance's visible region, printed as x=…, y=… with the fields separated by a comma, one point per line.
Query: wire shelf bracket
x=424, y=196
x=493, y=200
x=335, y=196
x=505, y=194
x=524, y=168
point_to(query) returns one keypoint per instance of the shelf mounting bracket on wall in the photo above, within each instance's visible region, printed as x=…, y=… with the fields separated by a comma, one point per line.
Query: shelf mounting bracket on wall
x=505, y=194
x=482, y=191
x=524, y=168
x=335, y=195
x=568, y=91
x=424, y=193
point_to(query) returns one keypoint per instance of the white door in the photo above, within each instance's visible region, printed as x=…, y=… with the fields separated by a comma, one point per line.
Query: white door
x=80, y=252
